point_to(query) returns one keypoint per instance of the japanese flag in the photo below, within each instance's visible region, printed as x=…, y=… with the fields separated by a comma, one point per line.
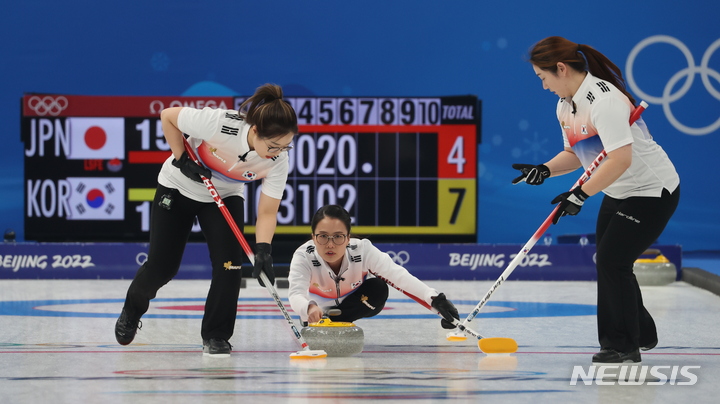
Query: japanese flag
x=96, y=198
x=96, y=138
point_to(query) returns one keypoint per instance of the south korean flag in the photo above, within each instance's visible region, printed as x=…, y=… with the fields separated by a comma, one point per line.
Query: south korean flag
x=96, y=198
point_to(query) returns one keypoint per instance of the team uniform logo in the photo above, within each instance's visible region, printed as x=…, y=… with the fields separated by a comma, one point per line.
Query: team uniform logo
x=228, y=130
x=213, y=151
x=249, y=175
x=364, y=299
x=229, y=266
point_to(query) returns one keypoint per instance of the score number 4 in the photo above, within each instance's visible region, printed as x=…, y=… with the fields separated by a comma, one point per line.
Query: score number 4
x=457, y=155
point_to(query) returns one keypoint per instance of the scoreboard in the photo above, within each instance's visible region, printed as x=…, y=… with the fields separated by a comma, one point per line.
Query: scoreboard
x=404, y=167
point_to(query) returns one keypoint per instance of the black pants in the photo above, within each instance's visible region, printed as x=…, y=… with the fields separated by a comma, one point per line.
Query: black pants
x=169, y=232
x=625, y=229
x=366, y=301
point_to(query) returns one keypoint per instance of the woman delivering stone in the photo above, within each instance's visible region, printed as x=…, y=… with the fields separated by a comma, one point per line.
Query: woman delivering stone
x=334, y=271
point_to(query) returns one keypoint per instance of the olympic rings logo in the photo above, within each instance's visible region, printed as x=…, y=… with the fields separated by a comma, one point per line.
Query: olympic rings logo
x=401, y=258
x=47, y=105
x=668, y=97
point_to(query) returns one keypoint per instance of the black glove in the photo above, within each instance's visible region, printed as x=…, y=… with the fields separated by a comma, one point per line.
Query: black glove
x=263, y=262
x=570, y=203
x=191, y=169
x=533, y=175
x=446, y=309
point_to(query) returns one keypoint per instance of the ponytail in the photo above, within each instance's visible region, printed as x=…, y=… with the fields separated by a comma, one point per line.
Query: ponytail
x=272, y=116
x=550, y=51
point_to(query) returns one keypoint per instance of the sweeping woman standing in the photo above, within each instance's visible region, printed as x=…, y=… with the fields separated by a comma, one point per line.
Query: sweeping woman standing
x=234, y=147
x=334, y=271
x=641, y=186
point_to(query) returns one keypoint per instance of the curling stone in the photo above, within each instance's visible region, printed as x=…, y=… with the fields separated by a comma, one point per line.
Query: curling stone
x=654, y=269
x=335, y=338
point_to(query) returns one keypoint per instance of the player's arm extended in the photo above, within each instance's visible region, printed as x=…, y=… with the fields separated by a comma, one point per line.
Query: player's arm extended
x=267, y=218
x=564, y=162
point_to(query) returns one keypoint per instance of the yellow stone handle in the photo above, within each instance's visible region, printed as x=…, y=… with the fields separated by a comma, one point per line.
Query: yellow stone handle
x=326, y=322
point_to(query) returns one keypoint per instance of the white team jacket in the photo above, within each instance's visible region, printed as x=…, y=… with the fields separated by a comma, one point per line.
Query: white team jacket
x=599, y=120
x=219, y=138
x=312, y=280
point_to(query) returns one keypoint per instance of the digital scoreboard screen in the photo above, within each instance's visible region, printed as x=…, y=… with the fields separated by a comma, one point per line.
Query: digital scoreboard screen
x=404, y=167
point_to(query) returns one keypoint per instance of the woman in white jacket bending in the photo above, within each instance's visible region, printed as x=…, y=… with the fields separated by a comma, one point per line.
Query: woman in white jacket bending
x=334, y=271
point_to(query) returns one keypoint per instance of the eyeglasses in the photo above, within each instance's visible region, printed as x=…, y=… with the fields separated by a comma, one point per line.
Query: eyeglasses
x=337, y=239
x=273, y=149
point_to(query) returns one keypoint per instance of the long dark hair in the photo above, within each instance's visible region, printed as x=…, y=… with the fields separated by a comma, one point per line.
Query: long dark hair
x=550, y=51
x=333, y=212
x=271, y=115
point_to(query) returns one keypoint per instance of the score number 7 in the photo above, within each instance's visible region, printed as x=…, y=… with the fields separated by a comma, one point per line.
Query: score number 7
x=458, y=203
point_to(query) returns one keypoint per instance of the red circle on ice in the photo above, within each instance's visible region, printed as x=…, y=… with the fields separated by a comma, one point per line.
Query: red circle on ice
x=95, y=137
x=240, y=307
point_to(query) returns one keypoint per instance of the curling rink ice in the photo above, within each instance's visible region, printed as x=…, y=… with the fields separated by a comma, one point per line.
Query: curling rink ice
x=57, y=346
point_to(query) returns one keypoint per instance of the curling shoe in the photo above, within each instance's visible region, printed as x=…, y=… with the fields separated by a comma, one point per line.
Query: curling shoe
x=126, y=328
x=216, y=348
x=611, y=356
x=649, y=346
